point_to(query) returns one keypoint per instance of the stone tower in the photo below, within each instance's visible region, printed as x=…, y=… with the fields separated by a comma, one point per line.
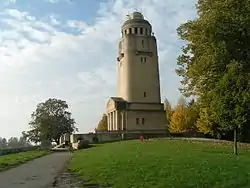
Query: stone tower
x=137, y=106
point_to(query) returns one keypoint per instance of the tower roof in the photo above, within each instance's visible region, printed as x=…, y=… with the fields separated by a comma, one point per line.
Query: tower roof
x=135, y=17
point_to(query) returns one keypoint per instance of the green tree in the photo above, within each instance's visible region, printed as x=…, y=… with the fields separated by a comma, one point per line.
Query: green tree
x=3, y=142
x=33, y=135
x=169, y=110
x=13, y=142
x=103, y=124
x=50, y=121
x=23, y=140
x=218, y=45
x=232, y=99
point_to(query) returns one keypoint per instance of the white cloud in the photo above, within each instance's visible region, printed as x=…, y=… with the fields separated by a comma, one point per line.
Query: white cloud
x=53, y=1
x=38, y=60
x=9, y=2
x=57, y=1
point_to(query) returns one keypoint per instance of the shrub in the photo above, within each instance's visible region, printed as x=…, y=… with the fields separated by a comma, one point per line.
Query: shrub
x=83, y=144
x=95, y=139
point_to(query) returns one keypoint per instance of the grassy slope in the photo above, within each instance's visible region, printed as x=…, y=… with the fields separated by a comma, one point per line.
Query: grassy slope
x=8, y=161
x=163, y=163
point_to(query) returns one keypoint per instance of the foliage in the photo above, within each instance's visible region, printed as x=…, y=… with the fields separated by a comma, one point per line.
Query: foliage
x=162, y=163
x=232, y=97
x=13, y=142
x=23, y=140
x=169, y=110
x=183, y=118
x=12, y=160
x=214, y=64
x=103, y=124
x=205, y=123
x=218, y=36
x=50, y=121
x=83, y=144
x=7, y=151
x=3, y=142
x=95, y=139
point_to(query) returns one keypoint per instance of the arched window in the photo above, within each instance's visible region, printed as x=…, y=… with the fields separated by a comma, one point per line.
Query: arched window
x=141, y=30
x=136, y=30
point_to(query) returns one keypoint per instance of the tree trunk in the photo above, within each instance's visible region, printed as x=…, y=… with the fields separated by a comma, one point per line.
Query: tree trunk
x=235, y=141
x=57, y=141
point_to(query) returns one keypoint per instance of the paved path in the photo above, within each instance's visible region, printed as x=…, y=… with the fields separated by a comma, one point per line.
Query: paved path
x=38, y=173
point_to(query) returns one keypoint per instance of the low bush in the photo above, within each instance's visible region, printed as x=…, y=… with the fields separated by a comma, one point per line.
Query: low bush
x=83, y=144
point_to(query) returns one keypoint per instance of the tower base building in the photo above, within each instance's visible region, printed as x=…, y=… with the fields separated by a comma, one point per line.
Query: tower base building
x=138, y=107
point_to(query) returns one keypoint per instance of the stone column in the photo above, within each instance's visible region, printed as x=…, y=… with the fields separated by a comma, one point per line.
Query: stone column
x=125, y=120
x=116, y=120
x=113, y=120
x=122, y=121
x=108, y=121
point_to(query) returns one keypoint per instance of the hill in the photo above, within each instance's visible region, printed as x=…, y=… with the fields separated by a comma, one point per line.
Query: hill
x=163, y=163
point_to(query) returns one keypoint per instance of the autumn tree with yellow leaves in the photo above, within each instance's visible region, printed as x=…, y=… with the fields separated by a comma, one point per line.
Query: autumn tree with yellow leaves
x=183, y=118
x=103, y=124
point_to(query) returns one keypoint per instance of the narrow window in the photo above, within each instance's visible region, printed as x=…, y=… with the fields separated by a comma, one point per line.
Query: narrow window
x=146, y=30
x=130, y=30
x=141, y=30
x=136, y=30
x=142, y=43
x=125, y=31
x=137, y=121
x=141, y=59
x=144, y=94
x=145, y=59
x=143, y=121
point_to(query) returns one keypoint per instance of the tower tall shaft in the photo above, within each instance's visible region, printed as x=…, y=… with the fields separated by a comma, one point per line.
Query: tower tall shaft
x=138, y=68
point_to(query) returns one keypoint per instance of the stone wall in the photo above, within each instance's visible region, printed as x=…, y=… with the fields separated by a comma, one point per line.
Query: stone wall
x=109, y=137
x=112, y=136
x=8, y=151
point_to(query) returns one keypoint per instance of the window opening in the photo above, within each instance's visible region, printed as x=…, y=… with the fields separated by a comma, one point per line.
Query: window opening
x=141, y=30
x=137, y=121
x=136, y=30
x=143, y=121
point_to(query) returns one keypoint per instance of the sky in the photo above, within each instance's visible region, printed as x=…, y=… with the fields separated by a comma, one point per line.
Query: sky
x=67, y=49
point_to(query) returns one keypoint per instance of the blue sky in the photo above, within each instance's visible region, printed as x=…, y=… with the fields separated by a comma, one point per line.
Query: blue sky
x=67, y=49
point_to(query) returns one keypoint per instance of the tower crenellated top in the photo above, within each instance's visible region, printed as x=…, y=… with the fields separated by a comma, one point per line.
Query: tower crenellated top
x=136, y=24
x=136, y=15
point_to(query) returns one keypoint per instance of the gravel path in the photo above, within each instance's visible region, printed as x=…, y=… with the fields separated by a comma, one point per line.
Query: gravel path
x=39, y=173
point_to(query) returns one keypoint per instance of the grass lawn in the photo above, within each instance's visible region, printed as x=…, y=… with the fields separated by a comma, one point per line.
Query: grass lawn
x=12, y=160
x=163, y=164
